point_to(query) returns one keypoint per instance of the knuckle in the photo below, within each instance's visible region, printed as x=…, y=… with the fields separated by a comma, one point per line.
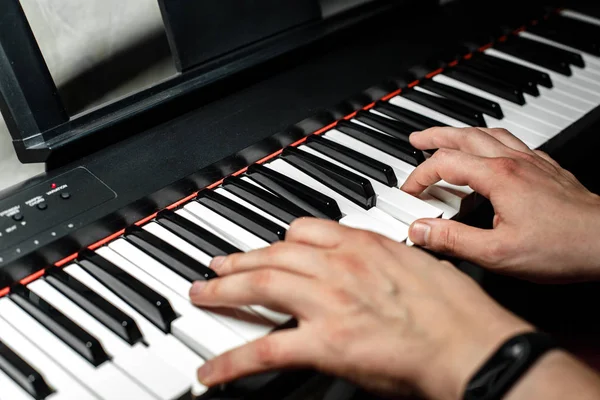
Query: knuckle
x=504, y=165
x=448, y=239
x=267, y=352
x=496, y=251
x=261, y=280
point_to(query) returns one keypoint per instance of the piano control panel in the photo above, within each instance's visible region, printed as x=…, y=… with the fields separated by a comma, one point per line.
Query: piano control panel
x=46, y=208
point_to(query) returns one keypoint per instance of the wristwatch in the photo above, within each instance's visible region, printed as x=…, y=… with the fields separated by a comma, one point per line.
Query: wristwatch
x=500, y=372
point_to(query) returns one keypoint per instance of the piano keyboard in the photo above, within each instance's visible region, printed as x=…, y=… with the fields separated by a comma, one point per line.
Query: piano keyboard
x=116, y=321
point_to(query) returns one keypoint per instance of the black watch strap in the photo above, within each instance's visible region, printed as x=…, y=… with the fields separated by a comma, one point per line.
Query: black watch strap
x=507, y=365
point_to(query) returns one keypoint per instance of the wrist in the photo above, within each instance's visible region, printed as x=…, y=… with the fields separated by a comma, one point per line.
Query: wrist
x=449, y=376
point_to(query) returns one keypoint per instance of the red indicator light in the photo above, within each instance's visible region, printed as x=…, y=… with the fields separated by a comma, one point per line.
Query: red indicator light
x=53, y=186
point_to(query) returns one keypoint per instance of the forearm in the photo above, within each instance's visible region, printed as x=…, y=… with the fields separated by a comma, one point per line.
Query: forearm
x=557, y=375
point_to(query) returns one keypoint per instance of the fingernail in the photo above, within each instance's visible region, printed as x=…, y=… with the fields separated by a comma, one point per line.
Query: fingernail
x=197, y=287
x=204, y=373
x=216, y=263
x=419, y=233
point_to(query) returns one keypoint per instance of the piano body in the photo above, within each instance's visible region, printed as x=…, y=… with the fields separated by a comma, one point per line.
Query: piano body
x=309, y=118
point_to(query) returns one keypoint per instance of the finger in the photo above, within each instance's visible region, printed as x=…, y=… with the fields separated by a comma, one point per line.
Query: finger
x=507, y=138
x=453, y=238
x=271, y=288
x=470, y=140
x=296, y=258
x=316, y=232
x=454, y=167
x=279, y=350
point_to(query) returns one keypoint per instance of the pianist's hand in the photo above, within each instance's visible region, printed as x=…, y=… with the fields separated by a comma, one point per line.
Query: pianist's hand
x=372, y=310
x=547, y=224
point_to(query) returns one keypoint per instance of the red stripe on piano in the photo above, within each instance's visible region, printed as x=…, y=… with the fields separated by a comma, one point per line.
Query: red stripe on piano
x=182, y=201
x=107, y=239
x=453, y=63
x=393, y=94
x=4, y=292
x=413, y=84
x=298, y=142
x=144, y=220
x=267, y=158
x=66, y=260
x=369, y=106
x=350, y=116
x=434, y=73
x=214, y=185
x=32, y=277
x=485, y=47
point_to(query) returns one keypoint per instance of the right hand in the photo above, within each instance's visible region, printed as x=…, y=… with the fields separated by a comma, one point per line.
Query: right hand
x=546, y=225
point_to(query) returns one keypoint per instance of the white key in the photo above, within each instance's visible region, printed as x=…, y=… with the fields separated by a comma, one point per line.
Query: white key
x=572, y=84
x=165, y=346
x=531, y=129
x=453, y=195
x=581, y=17
x=105, y=381
x=246, y=324
x=226, y=193
x=190, y=217
x=395, y=202
x=380, y=222
x=241, y=237
x=194, y=252
x=591, y=61
x=571, y=107
x=10, y=390
x=415, y=107
x=136, y=361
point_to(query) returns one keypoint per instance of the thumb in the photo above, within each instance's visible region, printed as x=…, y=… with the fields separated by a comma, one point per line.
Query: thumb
x=451, y=237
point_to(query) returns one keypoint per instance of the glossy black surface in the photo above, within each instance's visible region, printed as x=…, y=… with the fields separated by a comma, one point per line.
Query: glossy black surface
x=577, y=39
x=102, y=310
x=417, y=121
x=169, y=256
x=507, y=92
x=23, y=374
x=570, y=57
x=388, y=144
x=540, y=58
x=270, y=203
x=56, y=322
x=140, y=297
x=358, y=161
x=397, y=129
x=520, y=80
x=206, y=241
x=249, y=220
x=539, y=77
x=480, y=104
x=319, y=205
x=354, y=187
x=451, y=108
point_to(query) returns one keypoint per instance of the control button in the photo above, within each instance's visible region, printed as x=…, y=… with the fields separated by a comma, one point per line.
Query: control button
x=65, y=195
x=42, y=206
x=18, y=217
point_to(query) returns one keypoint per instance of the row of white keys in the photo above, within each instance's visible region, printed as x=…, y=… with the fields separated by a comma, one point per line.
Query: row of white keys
x=194, y=327
x=579, y=86
x=137, y=361
x=187, y=248
x=516, y=118
x=395, y=202
x=243, y=239
x=531, y=138
x=66, y=371
x=243, y=323
x=10, y=390
x=402, y=170
x=374, y=219
x=168, y=348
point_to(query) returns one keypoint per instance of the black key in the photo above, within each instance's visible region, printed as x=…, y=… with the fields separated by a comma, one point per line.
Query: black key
x=480, y=104
x=535, y=57
x=522, y=82
x=368, y=166
x=448, y=107
x=140, y=297
x=354, y=187
x=206, y=241
x=56, y=322
x=395, y=147
x=539, y=77
x=23, y=374
x=397, y=129
x=177, y=261
x=114, y=319
x=535, y=46
x=505, y=91
x=575, y=39
x=319, y=205
x=247, y=219
x=417, y=121
x=268, y=202
x=583, y=35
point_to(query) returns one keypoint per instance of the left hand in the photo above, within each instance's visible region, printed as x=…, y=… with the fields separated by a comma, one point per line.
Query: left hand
x=369, y=309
